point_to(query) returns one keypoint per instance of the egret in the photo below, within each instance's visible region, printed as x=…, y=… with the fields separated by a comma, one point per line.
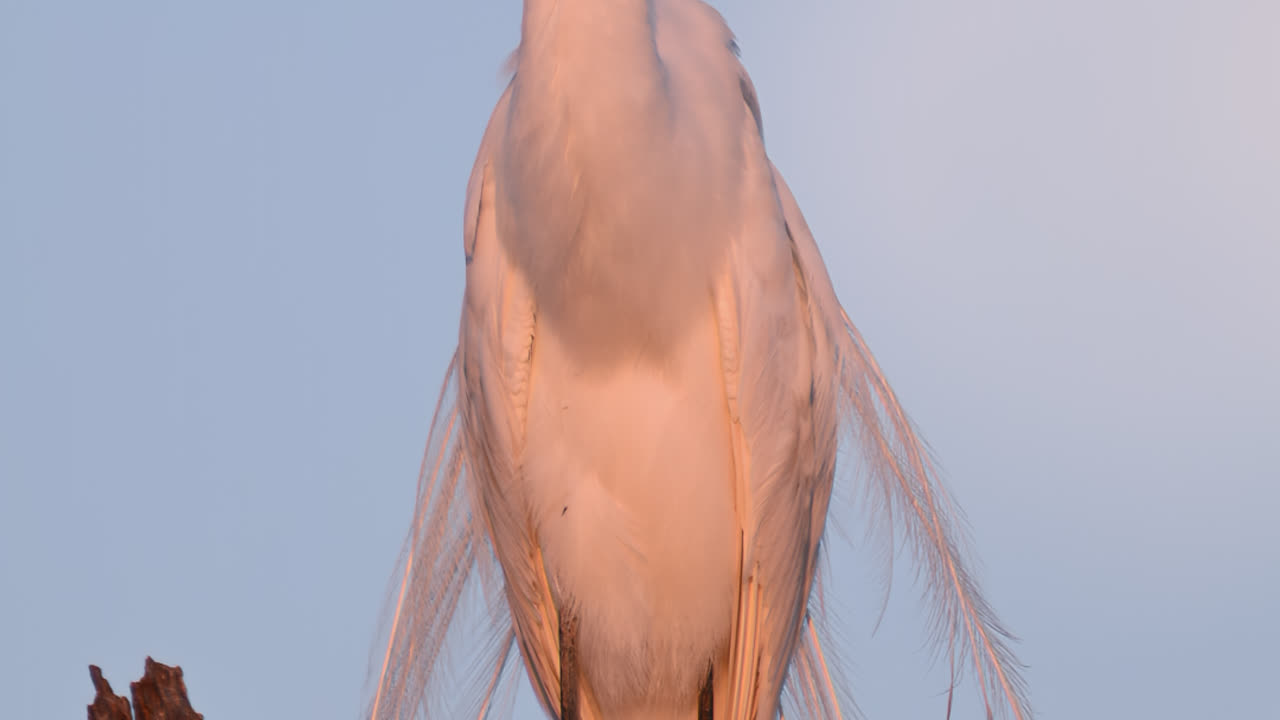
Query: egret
x=633, y=455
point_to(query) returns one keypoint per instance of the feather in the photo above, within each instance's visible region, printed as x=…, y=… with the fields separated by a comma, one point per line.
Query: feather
x=462, y=539
x=898, y=469
x=738, y=407
x=444, y=619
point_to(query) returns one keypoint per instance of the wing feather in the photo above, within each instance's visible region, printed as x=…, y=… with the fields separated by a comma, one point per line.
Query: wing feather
x=784, y=435
x=496, y=343
x=471, y=547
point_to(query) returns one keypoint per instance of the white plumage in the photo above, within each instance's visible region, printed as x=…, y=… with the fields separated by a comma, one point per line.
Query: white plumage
x=641, y=421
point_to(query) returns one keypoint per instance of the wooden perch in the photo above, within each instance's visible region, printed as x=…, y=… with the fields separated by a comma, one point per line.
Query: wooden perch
x=106, y=704
x=159, y=695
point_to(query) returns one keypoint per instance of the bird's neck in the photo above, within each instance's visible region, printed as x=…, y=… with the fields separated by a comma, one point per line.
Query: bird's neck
x=589, y=171
x=582, y=47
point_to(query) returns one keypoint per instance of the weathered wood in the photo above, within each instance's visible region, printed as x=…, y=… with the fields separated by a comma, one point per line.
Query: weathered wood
x=161, y=694
x=106, y=704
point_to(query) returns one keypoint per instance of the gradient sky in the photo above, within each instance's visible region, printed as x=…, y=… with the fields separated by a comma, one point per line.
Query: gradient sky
x=230, y=270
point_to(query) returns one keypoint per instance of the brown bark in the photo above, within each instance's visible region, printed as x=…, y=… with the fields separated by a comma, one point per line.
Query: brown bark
x=106, y=704
x=159, y=695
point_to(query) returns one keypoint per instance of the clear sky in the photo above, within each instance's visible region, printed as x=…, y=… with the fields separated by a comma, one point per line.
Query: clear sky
x=230, y=269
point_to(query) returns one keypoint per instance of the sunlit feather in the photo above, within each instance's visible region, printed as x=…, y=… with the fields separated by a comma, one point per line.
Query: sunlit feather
x=721, y=309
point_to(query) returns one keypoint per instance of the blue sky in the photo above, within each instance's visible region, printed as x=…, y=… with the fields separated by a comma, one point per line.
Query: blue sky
x=230, y=266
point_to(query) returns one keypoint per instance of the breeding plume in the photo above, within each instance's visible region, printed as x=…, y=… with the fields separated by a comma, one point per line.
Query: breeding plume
x=627, y=480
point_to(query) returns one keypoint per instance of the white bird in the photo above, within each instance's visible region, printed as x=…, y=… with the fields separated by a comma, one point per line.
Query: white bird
x=641, y=421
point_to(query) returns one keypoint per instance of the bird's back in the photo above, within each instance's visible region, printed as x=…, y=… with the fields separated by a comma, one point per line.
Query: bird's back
x=653, y=376
x=632, y=213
